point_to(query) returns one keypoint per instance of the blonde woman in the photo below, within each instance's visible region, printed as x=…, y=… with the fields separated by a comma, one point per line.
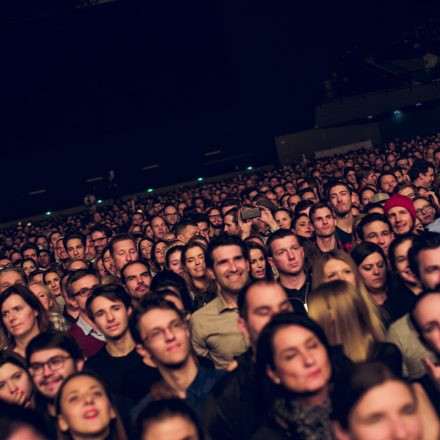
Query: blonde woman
x=348, y=323
x=49, y=303
x=338, y=265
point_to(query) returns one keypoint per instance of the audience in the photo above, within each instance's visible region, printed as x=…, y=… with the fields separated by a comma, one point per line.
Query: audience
x=299, y=302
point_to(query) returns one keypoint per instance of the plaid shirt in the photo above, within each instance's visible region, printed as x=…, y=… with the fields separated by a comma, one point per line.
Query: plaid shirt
x=58, y=322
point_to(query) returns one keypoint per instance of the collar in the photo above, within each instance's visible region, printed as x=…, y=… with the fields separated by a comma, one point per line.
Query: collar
x=88, y=330
x=222, y=306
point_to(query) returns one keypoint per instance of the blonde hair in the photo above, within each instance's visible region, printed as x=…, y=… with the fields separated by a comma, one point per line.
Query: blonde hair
x=361, y=290
x=55, y=306
x=345, y=318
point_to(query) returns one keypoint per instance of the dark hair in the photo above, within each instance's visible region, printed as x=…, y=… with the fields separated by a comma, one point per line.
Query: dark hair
x=117, y=238
x=52, y=339
x=296, y=219
x=426, y=240
x=71, y=236
x=171, y=251
x=153, y=252
x=130, y=263
x=252, y=245
x=365, y=249
x=31, y=300
x=181, y=226
x=336, y=182
x=350, y=390
x=370, y=218
x=302, y=206
x=280, y=233
x=265, y=348
x=139, y=245
x=116, y=426
x=161, y=410
x=225, y=240
x=319, y=205
x=29, y=245
x=393, y=246
x=51, y=270
x=113, y=292
x=419, y=166
x=165, y=279
x=101, y=228
x=75, y=276
x=10, y=357
x=417, y=301
x=189, y=246
x=147, y=303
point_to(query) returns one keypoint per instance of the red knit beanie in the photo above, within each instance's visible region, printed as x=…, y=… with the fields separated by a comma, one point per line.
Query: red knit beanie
x=400, y=200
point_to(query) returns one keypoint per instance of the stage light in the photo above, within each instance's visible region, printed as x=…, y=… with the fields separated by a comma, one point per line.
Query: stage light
x=150, y=190
x=397, y=113
x=370, y=117
x=199, y=179
x=99, y=202
x=49, y=213
x=250, y=168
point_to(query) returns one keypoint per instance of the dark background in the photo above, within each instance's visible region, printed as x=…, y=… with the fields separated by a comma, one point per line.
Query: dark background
x=128, y=84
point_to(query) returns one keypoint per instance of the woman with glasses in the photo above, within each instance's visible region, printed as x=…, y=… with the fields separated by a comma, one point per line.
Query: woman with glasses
x=22, y=317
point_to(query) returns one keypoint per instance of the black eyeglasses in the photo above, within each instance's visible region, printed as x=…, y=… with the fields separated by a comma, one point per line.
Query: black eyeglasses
x=85, y=291
x=54, y=363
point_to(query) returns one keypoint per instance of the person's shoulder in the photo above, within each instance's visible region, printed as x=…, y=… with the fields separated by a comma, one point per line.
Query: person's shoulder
x=98, y=358
x=208, y=309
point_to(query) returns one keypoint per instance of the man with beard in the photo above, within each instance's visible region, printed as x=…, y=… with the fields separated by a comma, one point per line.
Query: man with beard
x=339, y=196
x=118, y=362
x=161, y=332
x=215, y=333
x=136, y=278
x=287, y=255
x=51, y=357
x=401, y=214
x=422, y=173
x=324, y=224
x=215, y=222
x=123, y=250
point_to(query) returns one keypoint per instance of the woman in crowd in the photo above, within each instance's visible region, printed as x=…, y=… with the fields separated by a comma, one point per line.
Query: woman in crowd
x=372, y=403
x=22, y=317
x=108, y=261
x=158, y=256
x=200, y=285
x=338, y=265
x=283, y=217
x=28, y=265
x=99, y=267
x=16, y=384
x=372, y=264
x=349, y=324
x=85, y=410
x=168, y=419
x=302, y=226
x=260, y=268
x=173, y=260
x=47, y=300
x=144, y=248
x=52, y=279
x=294, y=354
x=367, y=193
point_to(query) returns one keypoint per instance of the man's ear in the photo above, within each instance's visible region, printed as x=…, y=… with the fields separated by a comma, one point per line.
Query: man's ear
x=243, y=328
x=144, y=354
x=340, y=433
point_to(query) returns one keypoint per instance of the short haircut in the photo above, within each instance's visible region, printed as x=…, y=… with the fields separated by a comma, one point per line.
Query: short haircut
x=333, y=183
x=74, y=277
x=146, y=304
x=130, y=263
x=420, y=166
x=117, y=238
x=370, y=218
x=102, y=228
x=52, y=339
x=225, y=240
x=280, y=233
x=74, y=235
x=29, y=245
x=426, y=240
x=113, y=292
x=319, y=205
x=417, y=301
x=242, y=296
x=181, y=226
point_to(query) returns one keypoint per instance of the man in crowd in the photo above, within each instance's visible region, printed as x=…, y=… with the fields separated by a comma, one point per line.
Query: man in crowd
x=215, y=332
x=136, y=278
x=100, y=237
x=80, y=285
x=123, y=250
x=422, y=173
x=75, y=245
x=186, y=229
x=376, y=228
x=324, y=224
x=117, y=362
x=400, y=213
x=159, y=227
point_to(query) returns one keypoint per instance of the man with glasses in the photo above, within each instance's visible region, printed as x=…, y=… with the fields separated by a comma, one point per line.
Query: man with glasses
x=80, y=285
x=162, y=334
x=215, y=222
x=51, y=357
x=100, y=237
x=171, y=215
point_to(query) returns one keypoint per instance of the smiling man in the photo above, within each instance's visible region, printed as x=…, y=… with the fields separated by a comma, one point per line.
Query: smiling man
x=118, y=362
x=400, y=213
x=52, y=357
x=215, y=333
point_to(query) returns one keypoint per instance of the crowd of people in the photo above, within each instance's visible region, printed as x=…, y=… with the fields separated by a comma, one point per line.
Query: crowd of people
x=298, y=303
